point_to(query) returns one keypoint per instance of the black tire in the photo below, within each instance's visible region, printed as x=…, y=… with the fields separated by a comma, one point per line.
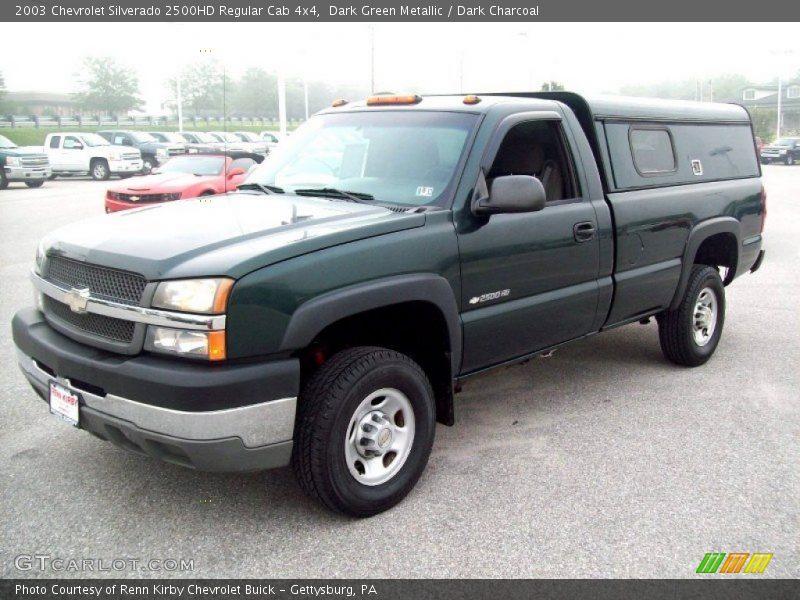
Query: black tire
x=99, y=170
x=3, y=179
x=148, y=164
x=329, y=402
x=676, y=327
x=34, y=184
x=789, y=160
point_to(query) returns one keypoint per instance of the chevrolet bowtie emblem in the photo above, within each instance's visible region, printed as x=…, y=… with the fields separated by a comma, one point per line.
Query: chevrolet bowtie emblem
x=78, y=300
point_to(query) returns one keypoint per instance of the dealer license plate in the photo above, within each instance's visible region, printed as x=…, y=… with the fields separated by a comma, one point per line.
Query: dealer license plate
x=64, y=403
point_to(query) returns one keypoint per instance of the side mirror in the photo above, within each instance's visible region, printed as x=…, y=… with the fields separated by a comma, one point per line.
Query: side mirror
x=235, y=172
x=511, y=194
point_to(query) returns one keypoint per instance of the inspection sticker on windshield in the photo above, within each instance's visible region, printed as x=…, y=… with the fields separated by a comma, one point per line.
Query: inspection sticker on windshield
x=427, y=192
x=63, y=403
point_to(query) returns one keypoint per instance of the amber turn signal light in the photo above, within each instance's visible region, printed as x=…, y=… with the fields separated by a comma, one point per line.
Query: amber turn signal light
x=387, y=100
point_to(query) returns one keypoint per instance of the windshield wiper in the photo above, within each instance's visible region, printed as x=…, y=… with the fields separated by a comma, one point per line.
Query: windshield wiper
x=329, y=192
x=266, y=189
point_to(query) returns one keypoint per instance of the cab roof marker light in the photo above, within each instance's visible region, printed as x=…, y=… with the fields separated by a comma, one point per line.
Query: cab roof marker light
x=338, y=103
x=471, y=99
x=393, y=100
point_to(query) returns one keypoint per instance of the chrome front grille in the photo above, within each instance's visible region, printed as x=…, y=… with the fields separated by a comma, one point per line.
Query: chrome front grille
x=105, y=283
x=33, y=162
x=131, y=156
x=115, y=330
x=175, y=151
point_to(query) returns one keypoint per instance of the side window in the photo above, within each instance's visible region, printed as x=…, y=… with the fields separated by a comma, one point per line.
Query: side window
x=537, y=148
x=653, y=150
x=121, y=140
x=71, y=142
x=55, y=141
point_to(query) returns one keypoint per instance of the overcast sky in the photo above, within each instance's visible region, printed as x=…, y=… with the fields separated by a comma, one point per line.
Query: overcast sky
x=587, y=57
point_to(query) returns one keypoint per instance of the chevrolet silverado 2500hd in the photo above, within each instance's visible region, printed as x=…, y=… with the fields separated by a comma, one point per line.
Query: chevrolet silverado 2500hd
x=323, y=314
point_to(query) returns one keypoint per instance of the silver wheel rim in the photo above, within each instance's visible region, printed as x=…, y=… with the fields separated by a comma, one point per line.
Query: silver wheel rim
x=379, y=436
x=704, y=317
x=99, y=171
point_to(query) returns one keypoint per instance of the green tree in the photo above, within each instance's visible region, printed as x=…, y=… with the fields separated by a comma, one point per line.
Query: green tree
x=256, y=93
x=204, y=87
x=3, y=103
x=107, y=86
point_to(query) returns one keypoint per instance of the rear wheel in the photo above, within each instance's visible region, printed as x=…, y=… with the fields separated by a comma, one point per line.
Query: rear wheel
x=34, y=184
x=690, y=334
x=365, y=431
x=99, y=170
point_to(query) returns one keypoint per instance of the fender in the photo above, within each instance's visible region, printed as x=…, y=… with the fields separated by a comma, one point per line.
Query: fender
x=700, y=233
x=317, y=314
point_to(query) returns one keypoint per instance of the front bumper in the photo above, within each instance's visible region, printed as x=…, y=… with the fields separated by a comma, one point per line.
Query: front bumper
x=125, y=166
x=27, y=173
x=207, y=417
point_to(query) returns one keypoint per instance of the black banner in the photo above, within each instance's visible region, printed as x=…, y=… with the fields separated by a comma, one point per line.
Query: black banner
x=285, y=589
x=397, y=10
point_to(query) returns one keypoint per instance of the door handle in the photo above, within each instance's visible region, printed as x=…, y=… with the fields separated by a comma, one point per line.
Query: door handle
x=583, y=232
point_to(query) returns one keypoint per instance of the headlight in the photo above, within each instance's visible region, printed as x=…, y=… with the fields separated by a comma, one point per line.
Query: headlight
x=12, y=161
x=161, y=152
x=194, y=344
x=207, y=296
x=41, y=252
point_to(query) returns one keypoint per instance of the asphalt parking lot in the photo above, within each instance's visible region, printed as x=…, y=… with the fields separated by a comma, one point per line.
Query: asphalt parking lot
x=602, y=461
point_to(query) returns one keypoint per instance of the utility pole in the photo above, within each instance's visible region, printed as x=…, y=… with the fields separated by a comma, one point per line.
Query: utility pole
x=372, y=59
x=282, y=101
x=780, y=92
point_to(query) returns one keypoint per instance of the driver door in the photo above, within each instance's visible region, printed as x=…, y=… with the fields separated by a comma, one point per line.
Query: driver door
x=529, y=280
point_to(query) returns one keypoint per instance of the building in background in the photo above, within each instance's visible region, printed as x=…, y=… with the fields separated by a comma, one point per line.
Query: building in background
x=41, y=103
x=763, y=99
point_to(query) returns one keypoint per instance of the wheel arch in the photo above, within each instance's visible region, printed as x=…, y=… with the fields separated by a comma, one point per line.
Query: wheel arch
x=418, y=299
x=716, y=241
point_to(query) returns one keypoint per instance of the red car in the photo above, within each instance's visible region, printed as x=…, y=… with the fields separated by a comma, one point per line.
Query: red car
x=181, y=177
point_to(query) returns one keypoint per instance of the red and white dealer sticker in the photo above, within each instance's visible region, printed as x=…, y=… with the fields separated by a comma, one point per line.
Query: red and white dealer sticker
x=63, y=403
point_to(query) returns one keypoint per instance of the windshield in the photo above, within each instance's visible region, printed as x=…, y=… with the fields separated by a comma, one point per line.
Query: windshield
x=194, y=165
x=142, y=137
x=783, y=142
x=171, y=136
x=204, y=138
x=92, y=140
x=226, y=137
x=247, y=136
x=406, y=158
x=6, y=143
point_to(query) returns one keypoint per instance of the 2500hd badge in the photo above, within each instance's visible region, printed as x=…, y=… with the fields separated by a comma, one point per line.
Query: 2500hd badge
x=324, y=314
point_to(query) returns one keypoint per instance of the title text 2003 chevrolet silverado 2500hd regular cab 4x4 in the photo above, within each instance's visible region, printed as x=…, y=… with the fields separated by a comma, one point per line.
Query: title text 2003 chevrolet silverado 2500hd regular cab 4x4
x=323, y=314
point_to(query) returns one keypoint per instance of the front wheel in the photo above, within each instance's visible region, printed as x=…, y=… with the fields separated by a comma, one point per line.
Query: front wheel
x=690, y=334
x=100, y=171
x=365, y=429
x=148, y=164
x=789, y=160
x=3, y=179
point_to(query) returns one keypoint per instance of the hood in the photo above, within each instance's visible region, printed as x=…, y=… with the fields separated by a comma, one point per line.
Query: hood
x=228, y=235
x=160, y=182
x=24, y=151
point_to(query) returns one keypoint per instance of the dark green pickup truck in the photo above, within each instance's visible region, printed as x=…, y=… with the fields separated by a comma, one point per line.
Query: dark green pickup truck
x=324, y=314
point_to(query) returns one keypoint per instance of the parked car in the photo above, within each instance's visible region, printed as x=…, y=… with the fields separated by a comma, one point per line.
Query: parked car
x=153, y=152
x=255, y=143
x=229, y=141
x=173, y=137
x=200, y=138
x=77, y=153
x=181, y=177
x=785, y=150
x=28, y=165
x=329, y=326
